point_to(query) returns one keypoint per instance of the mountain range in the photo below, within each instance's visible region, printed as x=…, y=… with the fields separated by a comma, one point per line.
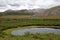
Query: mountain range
x=34, y=12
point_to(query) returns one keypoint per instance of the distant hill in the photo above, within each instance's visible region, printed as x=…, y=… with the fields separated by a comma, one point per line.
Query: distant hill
x=34, y=12
x=53, y=11
x=38, y=12
x=16, y=12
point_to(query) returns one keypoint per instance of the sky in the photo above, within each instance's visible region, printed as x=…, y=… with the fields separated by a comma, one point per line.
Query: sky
x=27, y=4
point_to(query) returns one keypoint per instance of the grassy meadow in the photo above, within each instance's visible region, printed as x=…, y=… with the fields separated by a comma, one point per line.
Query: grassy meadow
x=7, y=25
x=11, y=23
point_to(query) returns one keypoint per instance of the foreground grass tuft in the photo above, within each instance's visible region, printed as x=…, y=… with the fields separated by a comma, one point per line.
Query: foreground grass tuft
x=29, y=36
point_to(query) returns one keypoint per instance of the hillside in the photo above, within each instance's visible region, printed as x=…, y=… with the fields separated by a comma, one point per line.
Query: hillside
x=38, y=12
x=53, y=13
x=16, y=12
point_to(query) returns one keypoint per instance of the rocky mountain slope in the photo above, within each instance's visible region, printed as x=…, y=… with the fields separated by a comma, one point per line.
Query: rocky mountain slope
x=53, y=11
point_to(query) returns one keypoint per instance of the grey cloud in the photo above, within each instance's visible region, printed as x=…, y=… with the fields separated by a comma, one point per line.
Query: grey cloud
x=2, y=5
x=26, y=4
x=56, y=0
x=14, y=5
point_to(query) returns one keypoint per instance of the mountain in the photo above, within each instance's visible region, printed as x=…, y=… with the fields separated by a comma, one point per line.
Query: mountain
x=38, y=12
x=47, y=12
x=16, y=12
x=53, y=11
x=34, y=12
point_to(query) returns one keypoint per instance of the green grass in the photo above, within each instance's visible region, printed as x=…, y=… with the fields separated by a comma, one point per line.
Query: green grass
x=8, y=31
x=29, y=36
x=14, y=23
x=40, y=23
x=8, y=25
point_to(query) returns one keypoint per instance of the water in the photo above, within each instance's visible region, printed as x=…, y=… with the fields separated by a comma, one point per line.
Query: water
x=36, y=30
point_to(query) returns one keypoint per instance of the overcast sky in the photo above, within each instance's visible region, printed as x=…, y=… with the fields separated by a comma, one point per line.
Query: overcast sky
x=27, y=4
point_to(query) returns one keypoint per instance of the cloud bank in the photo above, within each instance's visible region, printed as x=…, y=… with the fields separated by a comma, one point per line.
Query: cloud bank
x=27, y=4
